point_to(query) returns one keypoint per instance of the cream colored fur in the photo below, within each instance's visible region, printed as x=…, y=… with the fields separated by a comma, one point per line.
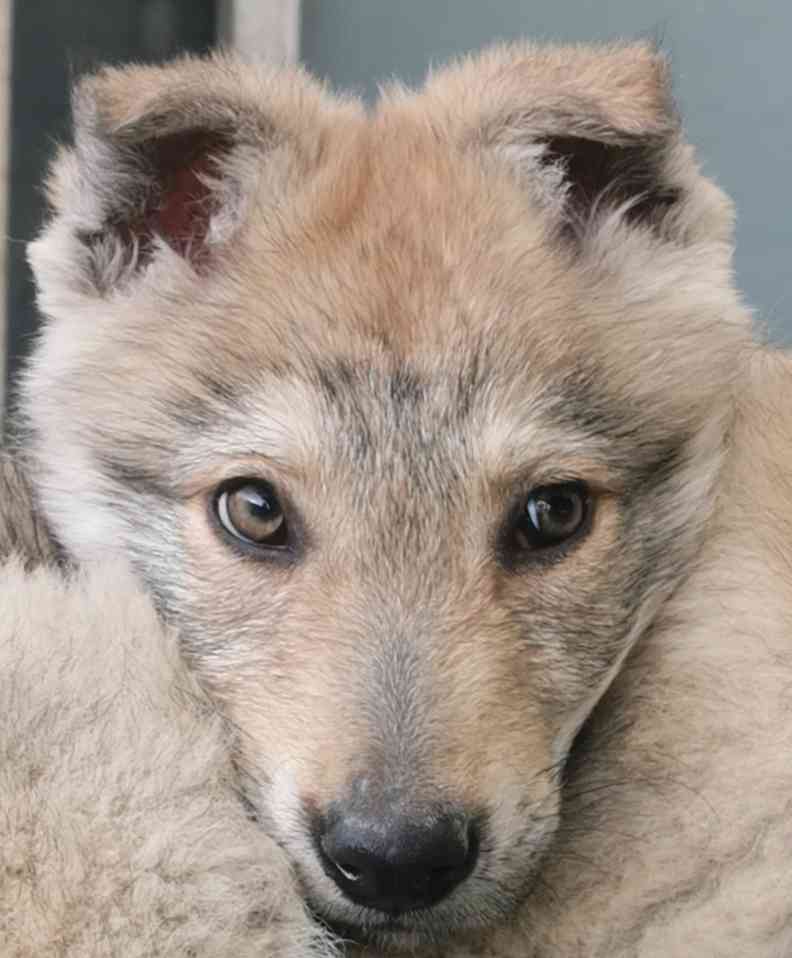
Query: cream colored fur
x=121, y=828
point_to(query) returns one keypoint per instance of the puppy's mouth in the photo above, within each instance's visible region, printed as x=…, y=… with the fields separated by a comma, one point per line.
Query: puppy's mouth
x=405, y=930
x=389, y=927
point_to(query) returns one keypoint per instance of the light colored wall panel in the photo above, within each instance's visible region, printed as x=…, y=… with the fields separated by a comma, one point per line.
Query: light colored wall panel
x=262, y=29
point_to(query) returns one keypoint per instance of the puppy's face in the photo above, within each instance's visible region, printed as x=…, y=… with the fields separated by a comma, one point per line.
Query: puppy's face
x=407, y=435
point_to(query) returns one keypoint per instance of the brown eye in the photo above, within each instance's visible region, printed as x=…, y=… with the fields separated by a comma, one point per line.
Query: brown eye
x=551, y=515
x=249, y=510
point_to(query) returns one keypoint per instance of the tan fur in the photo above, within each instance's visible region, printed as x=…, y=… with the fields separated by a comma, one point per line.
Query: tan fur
x=121, y=830
x=405, y=321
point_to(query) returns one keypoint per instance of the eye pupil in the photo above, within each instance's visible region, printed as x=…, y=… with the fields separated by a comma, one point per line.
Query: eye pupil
x=552, y=514
x=257, y=504
x=250, y=511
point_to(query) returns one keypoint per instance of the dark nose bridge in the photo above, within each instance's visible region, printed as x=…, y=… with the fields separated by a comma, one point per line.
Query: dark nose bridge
x=399, y=706
x=399, y=624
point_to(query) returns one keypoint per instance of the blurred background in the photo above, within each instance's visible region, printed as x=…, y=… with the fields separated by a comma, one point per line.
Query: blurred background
x=731, y=62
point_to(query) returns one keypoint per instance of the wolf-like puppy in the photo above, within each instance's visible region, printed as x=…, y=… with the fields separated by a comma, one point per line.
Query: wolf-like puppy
x=412, y=421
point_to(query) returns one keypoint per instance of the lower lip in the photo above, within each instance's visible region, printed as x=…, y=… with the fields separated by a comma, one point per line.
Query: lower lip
x=388, y=925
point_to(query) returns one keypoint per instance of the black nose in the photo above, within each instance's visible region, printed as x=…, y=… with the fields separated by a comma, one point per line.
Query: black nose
x=397, y=864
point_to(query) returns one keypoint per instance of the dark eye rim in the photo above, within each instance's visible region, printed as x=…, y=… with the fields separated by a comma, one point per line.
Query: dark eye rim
x=285, y=553
x=515, y=556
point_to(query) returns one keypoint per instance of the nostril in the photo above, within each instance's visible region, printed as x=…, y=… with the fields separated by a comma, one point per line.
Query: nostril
x=464, y=854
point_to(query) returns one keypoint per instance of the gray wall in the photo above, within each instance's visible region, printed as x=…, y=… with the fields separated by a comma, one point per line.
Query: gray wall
x=733, y=72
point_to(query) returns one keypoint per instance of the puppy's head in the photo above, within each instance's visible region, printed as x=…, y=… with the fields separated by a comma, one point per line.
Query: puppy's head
x=409, y=420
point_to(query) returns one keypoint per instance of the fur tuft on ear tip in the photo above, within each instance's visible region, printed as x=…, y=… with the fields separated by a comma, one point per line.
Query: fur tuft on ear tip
x=622, y=88
x=135, y=103
x=587, y=130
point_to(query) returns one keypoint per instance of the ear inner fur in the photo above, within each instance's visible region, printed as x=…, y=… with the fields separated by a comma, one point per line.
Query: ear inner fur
x=599, y=173
x=180, y=202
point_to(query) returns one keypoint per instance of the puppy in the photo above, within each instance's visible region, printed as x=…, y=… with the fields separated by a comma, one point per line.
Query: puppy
x=423, y=426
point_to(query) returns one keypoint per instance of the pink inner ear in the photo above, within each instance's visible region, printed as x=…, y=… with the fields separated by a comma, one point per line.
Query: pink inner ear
x=182, y=217
x=182, y=206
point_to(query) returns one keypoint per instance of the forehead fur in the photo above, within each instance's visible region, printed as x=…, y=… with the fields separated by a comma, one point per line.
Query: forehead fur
x=407, y=235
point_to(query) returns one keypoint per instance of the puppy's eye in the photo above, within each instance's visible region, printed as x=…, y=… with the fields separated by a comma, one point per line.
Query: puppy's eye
x=551, y=515
x=249, y=510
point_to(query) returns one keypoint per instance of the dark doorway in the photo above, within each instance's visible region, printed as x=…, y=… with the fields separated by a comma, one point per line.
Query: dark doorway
x=52, y=43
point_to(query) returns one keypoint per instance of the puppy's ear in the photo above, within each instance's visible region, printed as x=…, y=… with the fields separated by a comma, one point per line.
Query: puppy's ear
x=169, y=159
x=590, y=131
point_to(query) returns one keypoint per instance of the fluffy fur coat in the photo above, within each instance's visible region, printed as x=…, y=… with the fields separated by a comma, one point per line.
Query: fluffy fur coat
x=121, y=828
